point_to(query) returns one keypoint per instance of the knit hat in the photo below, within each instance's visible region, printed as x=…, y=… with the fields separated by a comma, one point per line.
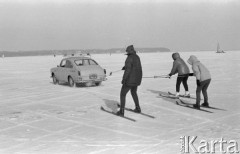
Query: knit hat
x=130, y=48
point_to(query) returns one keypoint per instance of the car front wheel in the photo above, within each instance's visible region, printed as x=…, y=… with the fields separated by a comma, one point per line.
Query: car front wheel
x=70, y=81
x=55, y=80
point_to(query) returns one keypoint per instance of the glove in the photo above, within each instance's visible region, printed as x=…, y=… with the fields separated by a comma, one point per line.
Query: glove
x=191, y=74
x=123, y=68
x=198, y=83
x=123, y=81
x=169, y=75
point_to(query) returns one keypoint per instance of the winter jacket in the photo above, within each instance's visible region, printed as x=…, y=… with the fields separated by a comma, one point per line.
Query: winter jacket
x=179, y=66
x=199, y=70
x=133, y=70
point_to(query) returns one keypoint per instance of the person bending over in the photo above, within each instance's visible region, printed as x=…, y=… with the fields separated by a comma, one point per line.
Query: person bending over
x=180, y=67
x=203, y=79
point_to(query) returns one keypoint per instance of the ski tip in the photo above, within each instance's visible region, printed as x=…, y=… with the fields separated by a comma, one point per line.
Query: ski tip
x=152, y=117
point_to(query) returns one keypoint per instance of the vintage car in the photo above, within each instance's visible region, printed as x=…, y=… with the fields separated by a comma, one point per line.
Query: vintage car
x=78, y=70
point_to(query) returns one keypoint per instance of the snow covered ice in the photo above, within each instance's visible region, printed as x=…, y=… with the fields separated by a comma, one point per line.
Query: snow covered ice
x=38, y=117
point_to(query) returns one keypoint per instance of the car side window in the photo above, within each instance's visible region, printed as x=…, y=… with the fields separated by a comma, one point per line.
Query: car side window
x=85, y=62
x=92, y=62
x=79, y=62
x=68, y=64
x=63, y=63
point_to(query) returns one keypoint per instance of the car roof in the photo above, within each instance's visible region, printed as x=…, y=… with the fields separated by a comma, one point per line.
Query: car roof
x=75, y=58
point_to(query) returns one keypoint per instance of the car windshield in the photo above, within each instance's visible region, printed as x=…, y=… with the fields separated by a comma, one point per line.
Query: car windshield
x=84, y=62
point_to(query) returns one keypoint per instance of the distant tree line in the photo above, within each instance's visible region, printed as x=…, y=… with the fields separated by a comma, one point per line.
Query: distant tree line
x=76, y=51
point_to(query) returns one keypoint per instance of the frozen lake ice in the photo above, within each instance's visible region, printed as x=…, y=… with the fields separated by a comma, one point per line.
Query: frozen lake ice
x=38, y=117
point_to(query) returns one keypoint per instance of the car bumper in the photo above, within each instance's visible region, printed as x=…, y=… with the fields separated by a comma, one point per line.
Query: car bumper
x=82, y=80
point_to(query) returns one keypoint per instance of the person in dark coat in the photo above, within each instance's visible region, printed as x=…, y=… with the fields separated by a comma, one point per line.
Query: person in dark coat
x=180, y=67
x=132, y=78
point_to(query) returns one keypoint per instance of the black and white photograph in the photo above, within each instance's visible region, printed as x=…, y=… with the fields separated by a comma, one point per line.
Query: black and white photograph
x=119, y=76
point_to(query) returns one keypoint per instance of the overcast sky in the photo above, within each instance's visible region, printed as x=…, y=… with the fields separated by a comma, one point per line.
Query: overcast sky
x=180, y=25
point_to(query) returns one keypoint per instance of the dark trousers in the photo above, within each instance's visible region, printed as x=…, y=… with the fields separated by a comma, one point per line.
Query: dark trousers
x=203, y=87
x=125, y=89
x=182, y=79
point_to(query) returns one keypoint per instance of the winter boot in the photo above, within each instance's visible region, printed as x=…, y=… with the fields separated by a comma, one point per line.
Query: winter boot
x=137, y=110
x=196, y=106
x=177, y=95
x=187, y=94
x=205, y=104
x=120, y=112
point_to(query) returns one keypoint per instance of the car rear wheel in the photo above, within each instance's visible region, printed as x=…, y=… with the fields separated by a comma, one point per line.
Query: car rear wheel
x=55, y=80
x=70, y=81
x=98, y=83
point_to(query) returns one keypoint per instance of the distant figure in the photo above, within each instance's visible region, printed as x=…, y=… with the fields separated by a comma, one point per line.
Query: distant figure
x=132, y=78
x=180, y=67
x=203, y=77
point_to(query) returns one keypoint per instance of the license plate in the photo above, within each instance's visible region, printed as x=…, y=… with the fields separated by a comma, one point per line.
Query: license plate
x=93, y=76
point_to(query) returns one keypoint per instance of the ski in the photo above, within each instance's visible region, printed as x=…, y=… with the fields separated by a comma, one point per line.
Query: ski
x=215, y=108
x=144, y=114
x=190, y=106
x=102, y=108
x=168, y=96
x=181, y=96
x=209, y=107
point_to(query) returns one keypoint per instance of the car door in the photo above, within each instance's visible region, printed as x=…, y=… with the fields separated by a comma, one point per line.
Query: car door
x=70, y=70
x=58, y=71
x=64, y=70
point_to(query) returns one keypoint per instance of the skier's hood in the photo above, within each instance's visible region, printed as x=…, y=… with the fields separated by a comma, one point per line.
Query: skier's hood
x=130, y=50
x=175, y=55
x=192, y=59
